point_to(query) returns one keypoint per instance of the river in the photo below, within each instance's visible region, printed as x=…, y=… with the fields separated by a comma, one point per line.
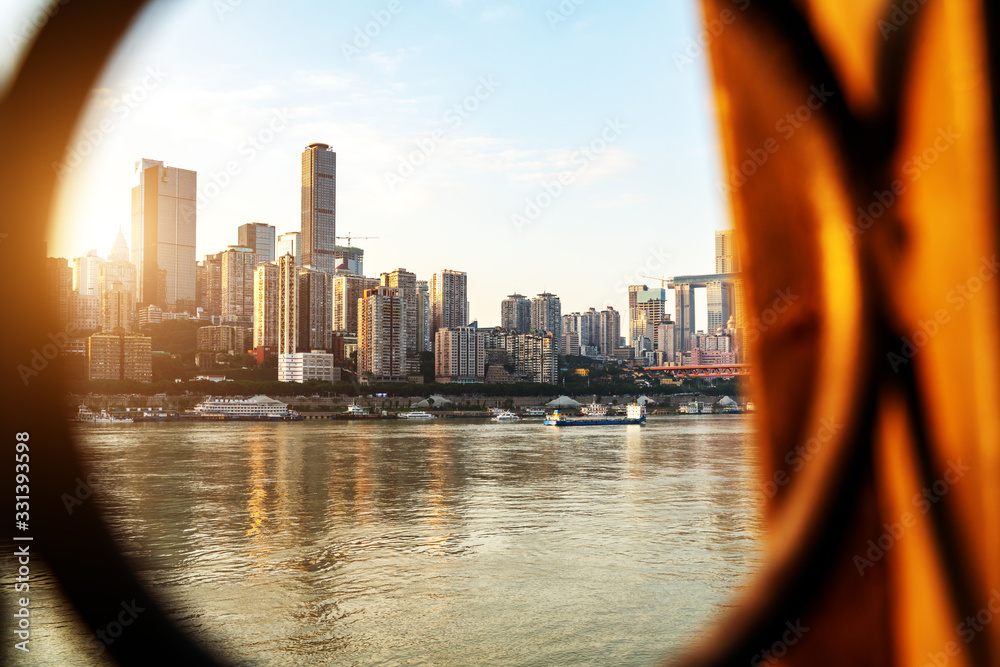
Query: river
x=434, y=543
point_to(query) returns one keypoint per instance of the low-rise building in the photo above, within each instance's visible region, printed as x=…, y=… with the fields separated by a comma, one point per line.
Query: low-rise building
x=302, y=366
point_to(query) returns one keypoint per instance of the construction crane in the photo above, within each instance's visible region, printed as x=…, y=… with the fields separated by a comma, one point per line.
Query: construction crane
x=348, y=237
x=663, y=281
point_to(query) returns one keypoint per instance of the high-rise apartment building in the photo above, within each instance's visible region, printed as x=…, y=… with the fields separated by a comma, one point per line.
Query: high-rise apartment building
x=84, y=311
x=726, y=260
x=238, y=266
x=347, y=290
x=288, y=297
x=684, y=316
x=315, y=310
x=460, y=355
x=609, y=338
x=164, y=228
x=259, y=237
x=647, y=308
x=117, y=308
x=546, y=315
x=449, y=300
x=515, y=313
x=87, y=273
x=423, y=316
x=265, y=305
x=381, y=336
x=719, y=295
x=290, y=244
x=319, y=208
x=406, y=283
x=59, y=278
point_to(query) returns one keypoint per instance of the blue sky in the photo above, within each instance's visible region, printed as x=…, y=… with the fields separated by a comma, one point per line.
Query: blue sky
x=589, y=93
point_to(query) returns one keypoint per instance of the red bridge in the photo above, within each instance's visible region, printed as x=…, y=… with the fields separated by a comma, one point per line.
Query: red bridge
x=728, y=370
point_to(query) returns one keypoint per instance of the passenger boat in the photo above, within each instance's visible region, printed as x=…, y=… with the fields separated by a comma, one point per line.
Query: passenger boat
x=634, y=414
x=506, y=416
x=356, y=410
x=534, y=412
x=416, y=415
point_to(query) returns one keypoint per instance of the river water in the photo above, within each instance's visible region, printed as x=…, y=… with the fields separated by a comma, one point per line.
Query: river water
x=432, y=543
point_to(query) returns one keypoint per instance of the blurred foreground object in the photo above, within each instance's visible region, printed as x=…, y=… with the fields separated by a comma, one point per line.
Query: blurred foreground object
x=859, y=156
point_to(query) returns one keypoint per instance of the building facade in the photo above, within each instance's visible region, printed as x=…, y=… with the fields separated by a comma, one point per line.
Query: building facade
x=288, y=297
x=238, y=266
x=302, y=366
x=347, y=290
x=515, y=313
x=164, y=229
x=460, y=355
x=315, y=310
x=265, y=305
x=260, y=238
x=381, y=336
x=449, y=300
x=290, y=244
x=546, y=315
x=319, y=208
x=119, y=357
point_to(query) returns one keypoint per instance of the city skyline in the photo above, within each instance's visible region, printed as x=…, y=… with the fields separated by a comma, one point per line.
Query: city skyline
x=529, y=124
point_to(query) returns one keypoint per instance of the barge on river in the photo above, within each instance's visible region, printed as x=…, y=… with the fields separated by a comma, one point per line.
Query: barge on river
x=634, y=414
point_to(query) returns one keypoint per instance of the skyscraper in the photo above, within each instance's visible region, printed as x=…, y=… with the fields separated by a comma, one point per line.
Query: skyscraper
x=319, y=208
x=611, y=331
x=59, y=277
x=449, y=300
x=684, y=316
x=406, y=282
x=381, y=345
x=288, y=296
x=238, y=265
x=649, y=310
x=515, y=313
x=259, y=237
x=546, y=315
x=116, y=288
x=315, y=310
x=347, y=290
x=265, y=305
x=726, y=260
x=423, y=316
x=719, y=295
x=164, y=228
x=86, y=273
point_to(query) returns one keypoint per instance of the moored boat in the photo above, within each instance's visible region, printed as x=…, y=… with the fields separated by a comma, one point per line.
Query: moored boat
x=634, y=414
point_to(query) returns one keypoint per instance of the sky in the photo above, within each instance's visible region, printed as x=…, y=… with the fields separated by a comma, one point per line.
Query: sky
x=566, y=146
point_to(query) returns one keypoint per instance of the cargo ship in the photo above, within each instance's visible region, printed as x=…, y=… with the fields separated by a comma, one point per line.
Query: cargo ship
x=634, y=414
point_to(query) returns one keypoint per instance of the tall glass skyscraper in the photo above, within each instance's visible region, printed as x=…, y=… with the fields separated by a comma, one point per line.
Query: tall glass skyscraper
x=164, y=228
x=319, y=208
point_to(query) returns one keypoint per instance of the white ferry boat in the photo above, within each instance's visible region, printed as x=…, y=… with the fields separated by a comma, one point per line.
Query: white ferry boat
x=695, y=408
x=258, y=407
x=534, y=412
x=85, y=414
x=416, y=415
x=506, y=416
x=356, y=410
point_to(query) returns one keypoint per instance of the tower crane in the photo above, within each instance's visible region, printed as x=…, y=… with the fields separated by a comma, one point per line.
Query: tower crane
x=348, y=237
